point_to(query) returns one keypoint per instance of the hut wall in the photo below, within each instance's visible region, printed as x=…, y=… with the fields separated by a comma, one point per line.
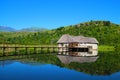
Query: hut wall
x=94, y=46
x=93, y=53
x=93, y=50
x=63, y=47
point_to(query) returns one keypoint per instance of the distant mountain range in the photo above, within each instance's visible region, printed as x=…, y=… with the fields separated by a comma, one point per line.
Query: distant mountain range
x=6, y=29
x=32, y=29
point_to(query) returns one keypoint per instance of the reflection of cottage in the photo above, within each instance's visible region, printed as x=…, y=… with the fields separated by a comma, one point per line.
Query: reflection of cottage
x=79, y=44
x=68, y=59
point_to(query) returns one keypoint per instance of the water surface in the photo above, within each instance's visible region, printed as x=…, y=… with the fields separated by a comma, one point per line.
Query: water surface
x=49, y=67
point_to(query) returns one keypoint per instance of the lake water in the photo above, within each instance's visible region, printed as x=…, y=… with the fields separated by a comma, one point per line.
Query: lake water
x=50, y=67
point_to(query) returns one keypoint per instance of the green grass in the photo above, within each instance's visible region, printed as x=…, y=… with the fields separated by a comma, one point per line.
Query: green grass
x=105, y=48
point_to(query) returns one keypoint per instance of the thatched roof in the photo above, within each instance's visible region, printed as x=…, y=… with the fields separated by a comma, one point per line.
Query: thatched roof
x=80, y=39
x=66, y=39
x=88, y=40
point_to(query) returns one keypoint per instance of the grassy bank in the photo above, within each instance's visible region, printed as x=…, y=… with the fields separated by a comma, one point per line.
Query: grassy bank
x=105, y=48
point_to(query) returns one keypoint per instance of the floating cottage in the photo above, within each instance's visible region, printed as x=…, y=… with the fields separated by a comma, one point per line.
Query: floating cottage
x=78, y=45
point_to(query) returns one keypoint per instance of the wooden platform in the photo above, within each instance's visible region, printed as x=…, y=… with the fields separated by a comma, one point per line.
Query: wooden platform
x=15, y=49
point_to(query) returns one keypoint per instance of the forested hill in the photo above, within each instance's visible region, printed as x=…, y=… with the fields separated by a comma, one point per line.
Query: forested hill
x=105, y=32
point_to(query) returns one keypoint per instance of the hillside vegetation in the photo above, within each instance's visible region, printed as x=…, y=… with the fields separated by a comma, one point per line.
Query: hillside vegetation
x=105, y=32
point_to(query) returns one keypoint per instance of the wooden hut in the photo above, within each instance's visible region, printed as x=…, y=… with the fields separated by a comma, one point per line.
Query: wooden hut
x=68, y=43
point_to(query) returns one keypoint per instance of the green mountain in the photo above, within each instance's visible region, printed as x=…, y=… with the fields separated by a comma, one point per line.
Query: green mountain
x=105, y=32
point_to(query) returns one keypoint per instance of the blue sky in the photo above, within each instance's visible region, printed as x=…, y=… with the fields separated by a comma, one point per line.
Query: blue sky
x=55, y=13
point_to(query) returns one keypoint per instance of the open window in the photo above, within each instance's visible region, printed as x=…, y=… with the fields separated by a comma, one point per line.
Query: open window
x=78, y=49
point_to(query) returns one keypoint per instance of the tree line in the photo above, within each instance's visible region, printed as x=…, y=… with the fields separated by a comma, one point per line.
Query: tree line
x=105, y=32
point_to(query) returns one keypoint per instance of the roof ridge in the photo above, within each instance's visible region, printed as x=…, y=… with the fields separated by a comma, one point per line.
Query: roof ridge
x=66, y=38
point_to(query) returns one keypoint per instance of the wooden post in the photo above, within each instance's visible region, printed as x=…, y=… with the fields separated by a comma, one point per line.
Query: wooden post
x=3, y=51
x=35, y=50
x=47, y=49
x=53, y=49
x=26, y=50
x=15, y=51
x=41, y=50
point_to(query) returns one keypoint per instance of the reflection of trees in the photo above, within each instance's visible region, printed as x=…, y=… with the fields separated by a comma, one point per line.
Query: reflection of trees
x=106, y=64
x=39, y=58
